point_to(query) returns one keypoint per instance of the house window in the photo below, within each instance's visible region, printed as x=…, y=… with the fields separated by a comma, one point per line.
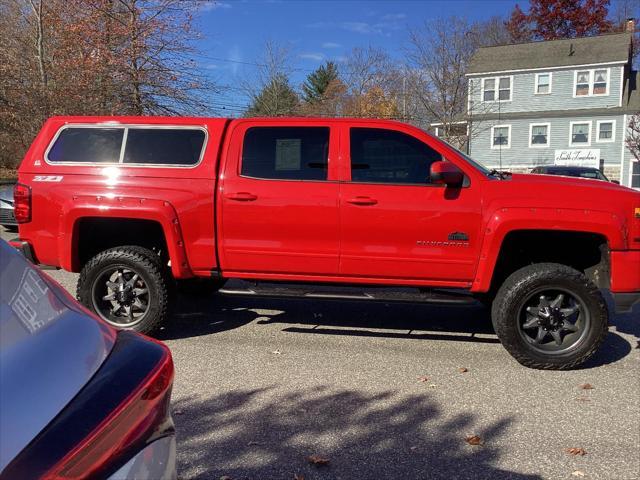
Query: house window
x=539, y=135
x=600, y=81
x=501, y=136
x=580, y=133
x=489, y=89
x=635, y=175
x=583, y=80
x=592, y=82
x=606, y=131
x=543, y=83
x=505, y=89
x=501, y=84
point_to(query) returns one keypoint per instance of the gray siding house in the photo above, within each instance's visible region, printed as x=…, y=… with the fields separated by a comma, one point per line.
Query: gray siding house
x=564, y=102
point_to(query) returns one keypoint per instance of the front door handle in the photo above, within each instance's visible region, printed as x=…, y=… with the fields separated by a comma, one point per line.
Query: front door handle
x=363, y=201
x=242, y=196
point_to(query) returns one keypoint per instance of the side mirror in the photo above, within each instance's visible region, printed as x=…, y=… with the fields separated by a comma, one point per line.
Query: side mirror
x=446, y=173
x=617, y=182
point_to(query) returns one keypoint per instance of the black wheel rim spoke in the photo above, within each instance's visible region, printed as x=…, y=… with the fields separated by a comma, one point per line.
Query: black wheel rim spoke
x=553, y=320
x=121, y=296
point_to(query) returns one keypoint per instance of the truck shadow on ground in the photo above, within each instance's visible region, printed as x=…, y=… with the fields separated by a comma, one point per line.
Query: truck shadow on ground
x=205, y=315
x=268, y=434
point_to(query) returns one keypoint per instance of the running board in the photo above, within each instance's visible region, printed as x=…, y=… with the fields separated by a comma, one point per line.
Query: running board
x=377, y=294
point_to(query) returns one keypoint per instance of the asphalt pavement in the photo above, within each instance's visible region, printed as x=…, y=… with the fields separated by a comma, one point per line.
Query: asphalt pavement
x=285, y=389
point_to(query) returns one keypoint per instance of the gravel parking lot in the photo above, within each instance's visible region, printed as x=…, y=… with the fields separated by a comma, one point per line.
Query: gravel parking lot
x=388, y=392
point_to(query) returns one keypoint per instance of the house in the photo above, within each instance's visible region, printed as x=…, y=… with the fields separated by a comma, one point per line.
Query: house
x=564, y=102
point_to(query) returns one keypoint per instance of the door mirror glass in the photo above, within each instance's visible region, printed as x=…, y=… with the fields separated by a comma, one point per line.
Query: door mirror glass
x=446, y=173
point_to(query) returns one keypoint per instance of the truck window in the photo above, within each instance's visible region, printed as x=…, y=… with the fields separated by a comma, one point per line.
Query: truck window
x=164, y=146
x=388, y=156
x=287, y=153
x=87, y=145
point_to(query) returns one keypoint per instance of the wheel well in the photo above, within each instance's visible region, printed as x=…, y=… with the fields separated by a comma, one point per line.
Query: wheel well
x=94, y=235
x=584, y=251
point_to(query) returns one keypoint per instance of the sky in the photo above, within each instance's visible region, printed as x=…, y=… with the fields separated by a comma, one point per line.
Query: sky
x=235, y=32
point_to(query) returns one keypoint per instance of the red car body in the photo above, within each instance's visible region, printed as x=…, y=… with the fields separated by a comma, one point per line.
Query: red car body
x=216, y=220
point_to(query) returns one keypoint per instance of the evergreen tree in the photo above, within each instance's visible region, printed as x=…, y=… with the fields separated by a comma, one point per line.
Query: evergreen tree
x=276, y=99
x=317, y=82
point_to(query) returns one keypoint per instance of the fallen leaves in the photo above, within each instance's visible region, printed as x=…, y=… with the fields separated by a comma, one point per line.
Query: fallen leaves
x=463, y=370
x=473, y=440
x=576, y=451
x=586, y=386
x=317, y=460
x=423, y=378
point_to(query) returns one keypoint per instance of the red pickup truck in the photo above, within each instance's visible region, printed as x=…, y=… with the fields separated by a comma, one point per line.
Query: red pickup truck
x=368, y=209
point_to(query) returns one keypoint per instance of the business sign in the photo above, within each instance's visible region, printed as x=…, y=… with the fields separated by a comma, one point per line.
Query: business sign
x=578, y=157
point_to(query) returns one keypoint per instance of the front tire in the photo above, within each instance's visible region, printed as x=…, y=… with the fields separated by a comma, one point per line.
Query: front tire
x=126, y=286
x=550, y=316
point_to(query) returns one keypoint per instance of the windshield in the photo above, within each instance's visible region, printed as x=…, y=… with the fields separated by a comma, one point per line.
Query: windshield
x=473, y=163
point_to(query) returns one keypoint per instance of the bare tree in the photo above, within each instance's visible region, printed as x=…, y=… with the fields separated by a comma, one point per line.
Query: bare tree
x=373, y=84
x=438, y=56
x=269, y=89
x=632, y=139
x=95, y=57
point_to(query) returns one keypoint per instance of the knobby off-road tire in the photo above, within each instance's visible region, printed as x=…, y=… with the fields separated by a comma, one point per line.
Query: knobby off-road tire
x=128, y=286
x=542, y=304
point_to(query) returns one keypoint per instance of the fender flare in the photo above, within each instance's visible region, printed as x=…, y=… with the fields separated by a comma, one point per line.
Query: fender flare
x=507, y=220
x=108, y=206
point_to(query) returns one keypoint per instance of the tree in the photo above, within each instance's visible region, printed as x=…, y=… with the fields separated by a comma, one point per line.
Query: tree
x=99, y=57
x=332, y=104
x=553, y=19
x=371, y=76
x=276, y=99
x=632, y=140
x=438, y=56
x=318, y=81
x=270, y=91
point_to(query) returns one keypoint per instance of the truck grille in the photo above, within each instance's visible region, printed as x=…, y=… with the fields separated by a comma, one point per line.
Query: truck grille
x=7, y=217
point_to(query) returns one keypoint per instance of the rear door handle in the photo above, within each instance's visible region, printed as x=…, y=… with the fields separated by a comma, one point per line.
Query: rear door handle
x=363, y=201
x=242, y=196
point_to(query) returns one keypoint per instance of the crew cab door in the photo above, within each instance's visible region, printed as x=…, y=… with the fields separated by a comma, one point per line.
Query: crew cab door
x=278, y=199
x=395, y=223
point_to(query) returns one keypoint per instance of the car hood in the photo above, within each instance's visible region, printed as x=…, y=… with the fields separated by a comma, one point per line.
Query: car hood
x=50, y=347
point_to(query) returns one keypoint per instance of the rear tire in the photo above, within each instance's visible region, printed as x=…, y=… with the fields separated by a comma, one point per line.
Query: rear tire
x=128, y=287
x=550, y=316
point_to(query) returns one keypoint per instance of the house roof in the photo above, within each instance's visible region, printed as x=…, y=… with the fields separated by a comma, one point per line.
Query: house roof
x=632, y=93
x=608, y=48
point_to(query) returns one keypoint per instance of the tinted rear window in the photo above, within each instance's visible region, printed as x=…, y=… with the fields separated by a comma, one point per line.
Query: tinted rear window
x=87, y=145
x=288, y=153
x=163, y=146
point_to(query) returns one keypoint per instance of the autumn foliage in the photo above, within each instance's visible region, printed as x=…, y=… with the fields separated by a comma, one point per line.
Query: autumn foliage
x=93, y=57
x=553, y=19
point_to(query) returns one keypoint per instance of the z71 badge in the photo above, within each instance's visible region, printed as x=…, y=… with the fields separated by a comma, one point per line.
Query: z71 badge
x=48, y=178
